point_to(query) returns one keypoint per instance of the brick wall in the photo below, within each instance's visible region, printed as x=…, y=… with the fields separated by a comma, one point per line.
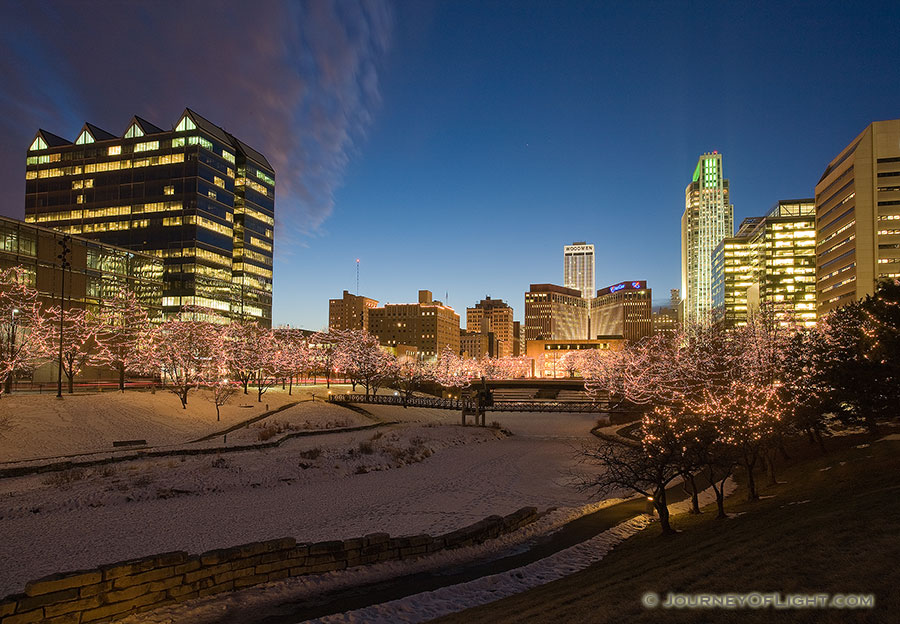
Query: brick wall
x=113, y=591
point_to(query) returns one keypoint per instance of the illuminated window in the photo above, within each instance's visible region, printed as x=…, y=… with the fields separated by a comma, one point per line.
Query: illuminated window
x=169, y=190
x=218, y=181
x=147, y=147
x=114, y=150
x=84, y=138
x=79, y=199
x=212, y=194
x=228, y=156
x=186, y=123
x=171, y=221
x=134, y=132
x=40, y=144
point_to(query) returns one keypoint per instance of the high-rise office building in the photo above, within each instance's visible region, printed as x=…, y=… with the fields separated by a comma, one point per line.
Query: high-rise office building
x=494, y=316
x=428, y=325
x=771, y=261
x=623, y=309
x=858, y=217
x=195, y=196
x=734, y=271
x=578, y=268
x=555, y=313
x=708, y=218
x=349, y=312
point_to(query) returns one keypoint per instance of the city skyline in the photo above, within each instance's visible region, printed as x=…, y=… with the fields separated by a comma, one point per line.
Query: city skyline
x=442, y=157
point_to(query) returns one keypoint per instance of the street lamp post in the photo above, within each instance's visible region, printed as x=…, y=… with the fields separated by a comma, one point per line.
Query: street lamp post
x=63, y=265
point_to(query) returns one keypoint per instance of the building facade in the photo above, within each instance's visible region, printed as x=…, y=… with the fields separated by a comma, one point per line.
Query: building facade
x=494, y=316
x=477, y=345
x=549, y=357
x=96, y=274
x=770, y=262
x=195, y=196
x=349, y=312
x=428, y=325
x=707, y=219
x=555, y=313
x=858, y=217
x=735, y=270
x=578, y=268
x=623, y=309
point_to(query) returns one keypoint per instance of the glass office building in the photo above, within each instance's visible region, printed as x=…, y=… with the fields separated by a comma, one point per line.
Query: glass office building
x=194, y=196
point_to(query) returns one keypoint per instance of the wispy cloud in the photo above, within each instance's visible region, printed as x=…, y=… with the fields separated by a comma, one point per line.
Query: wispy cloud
x=299, y=81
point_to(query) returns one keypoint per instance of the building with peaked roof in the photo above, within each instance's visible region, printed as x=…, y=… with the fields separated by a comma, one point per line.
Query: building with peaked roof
x=195, y=196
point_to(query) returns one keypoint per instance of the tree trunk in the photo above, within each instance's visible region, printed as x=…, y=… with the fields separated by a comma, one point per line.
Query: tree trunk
x=217, y=413
x=752, y=494
x=821, y=442
x=662, y=510
x=770, y=466
x=71, y=381
x=695, y=498
x=291, y=386
x=121, y=368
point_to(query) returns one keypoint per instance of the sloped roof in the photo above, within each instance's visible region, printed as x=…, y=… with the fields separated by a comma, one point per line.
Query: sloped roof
x=227, y=138
x=209, y=126
x=99, y=134
x=253, y=154
x=144, y=125
x=51, y=139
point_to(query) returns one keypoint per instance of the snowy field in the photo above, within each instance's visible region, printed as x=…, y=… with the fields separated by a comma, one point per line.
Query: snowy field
x=40, y=425
x=424, y=474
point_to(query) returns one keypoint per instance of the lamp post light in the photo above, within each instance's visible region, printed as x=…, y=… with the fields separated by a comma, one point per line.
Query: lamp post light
x=63, y=265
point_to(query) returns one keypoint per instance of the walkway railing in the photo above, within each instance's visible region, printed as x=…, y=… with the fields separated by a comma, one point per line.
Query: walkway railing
x=458, y=404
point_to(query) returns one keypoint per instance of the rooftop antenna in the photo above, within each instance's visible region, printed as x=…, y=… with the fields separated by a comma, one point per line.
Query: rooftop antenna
x=357, y=277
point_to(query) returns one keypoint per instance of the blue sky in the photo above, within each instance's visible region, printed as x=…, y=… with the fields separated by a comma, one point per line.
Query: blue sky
x=458, y=146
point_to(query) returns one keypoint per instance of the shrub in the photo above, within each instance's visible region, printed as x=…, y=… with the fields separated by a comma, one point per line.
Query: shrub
x=366, y=447
x=267, y=433
x=65, y=478
x=313, y=453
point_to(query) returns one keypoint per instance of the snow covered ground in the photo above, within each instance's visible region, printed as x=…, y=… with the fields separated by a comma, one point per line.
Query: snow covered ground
x=43, y=426
x=426, y=474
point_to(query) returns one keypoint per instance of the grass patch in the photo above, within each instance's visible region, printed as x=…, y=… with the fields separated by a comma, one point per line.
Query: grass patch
x=831, y=526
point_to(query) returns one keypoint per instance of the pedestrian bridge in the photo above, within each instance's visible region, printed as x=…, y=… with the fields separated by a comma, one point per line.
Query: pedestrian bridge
x=529, y=405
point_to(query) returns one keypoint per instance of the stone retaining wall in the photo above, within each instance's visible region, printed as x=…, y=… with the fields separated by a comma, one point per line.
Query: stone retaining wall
x=113, y=591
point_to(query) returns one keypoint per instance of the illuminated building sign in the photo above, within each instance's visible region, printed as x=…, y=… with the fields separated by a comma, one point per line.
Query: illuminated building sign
x=636, y=285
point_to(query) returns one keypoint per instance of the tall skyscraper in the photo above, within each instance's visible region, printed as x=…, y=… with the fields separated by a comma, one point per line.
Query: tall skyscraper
x=195, y=196
x=578, y=268
x=858, y=217
x=708, y=218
